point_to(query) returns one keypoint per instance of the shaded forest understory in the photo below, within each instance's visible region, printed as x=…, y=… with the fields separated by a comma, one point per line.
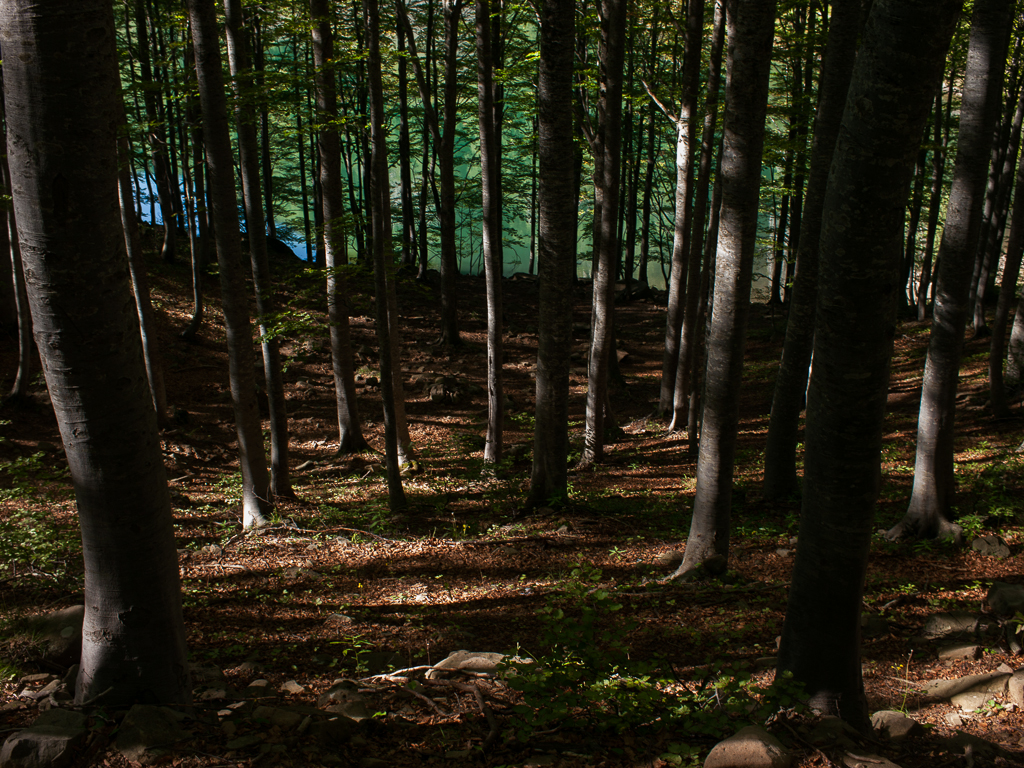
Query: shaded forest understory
x=338, y=587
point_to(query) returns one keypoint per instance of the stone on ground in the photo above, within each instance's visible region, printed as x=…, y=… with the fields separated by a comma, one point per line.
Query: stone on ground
x=148, y=727
x=1005, y=600
x=992, y=546
x=991, y=682
x=851, y=760
x=50, y=742
x=752, y=747
x=954, y=624
x=1015, y=688
x=895, y=726
x=61, y=634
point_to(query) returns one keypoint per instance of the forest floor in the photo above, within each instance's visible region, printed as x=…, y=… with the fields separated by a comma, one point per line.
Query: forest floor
x=339, y=587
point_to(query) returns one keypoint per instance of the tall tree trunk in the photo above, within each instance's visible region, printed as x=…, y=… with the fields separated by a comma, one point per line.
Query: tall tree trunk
x=750, y=28
x=897, y=70
x=61, y=92
x=157, y=136
x=556, y=245
x=682, y=395
x=938, y=167
x=930, y=513
x=380, y=215
x=686, y=137
x=248, y=149
x=350, y=436
x=780, y=479
x=256, y=502
x=1007, y=295
x=492, y=239
x=405, y=157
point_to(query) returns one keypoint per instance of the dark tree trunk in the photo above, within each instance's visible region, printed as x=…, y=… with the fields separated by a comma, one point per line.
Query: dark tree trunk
x=61, y=91
x=606, y=181
x=938, y=167
x=556, y=263
x=1007, y=295
x=266, y=164
x=780, y=479
x=256, y=502
x=492, y=239
x=157, y=136
x=750, y=27
x=405, y=157
x=380, y=217
x=350, y=436
x=248, y=149
x=897, y=70
x=930, y=513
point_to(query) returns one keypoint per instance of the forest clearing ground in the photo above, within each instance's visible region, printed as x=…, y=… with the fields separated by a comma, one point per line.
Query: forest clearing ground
x=339, y=583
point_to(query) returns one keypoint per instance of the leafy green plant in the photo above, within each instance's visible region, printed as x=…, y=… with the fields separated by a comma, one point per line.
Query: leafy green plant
x=32, y=538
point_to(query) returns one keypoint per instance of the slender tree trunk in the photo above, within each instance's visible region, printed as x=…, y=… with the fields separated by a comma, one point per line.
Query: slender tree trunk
x=556, y=245
x=22, y=377
x=61, y=93
x=606, y=180
x=492, y=239
x=897, y=70
x=780, y=479
x=684, y=380
x=405, y=157
x=380, y=215
x=930, y=513
x=686, y=138
x=256, y=502
x=248, y=148
x=938, y=165
x=1007, y=295
x=350, y=436
x=751, y=27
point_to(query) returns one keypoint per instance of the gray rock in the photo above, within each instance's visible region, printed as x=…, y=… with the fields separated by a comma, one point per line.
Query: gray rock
x=472, y=662
x=895, y=726
x=873, y=626
x=343, y=698
x=1015, y=688
x=992, y=682
x=148, y=727
x=669, y=559
x=292, y=687
x=960, y=651
x=50, y=742
x=992, y=546
x=283, y=718
x=851, y=760
x=61, y=634
x=971, y=701
x=954, y=720
x=941, y=625
x=832, y=732
x=1006, y=599
x=752, y=747
x=337, y=730
x=258, y=689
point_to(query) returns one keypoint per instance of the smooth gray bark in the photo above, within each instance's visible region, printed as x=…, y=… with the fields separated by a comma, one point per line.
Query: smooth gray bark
x=256, y=502
x=750, y=27
x=61, y=88
x=556, y=247
x=897, y=70
x=930, y=511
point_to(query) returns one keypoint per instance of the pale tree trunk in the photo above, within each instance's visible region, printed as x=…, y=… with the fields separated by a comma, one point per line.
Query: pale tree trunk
x=780, y=478
x=683, y=379
x=686, y=137
x=897, y=70
x=556, y=252
x=61, y=92
x=350, y=436
x=930, y=513
x=256, y=503
x=380, y=214
x=606, y=180
x=23, y=318
x=750, y=28
x=492, y=237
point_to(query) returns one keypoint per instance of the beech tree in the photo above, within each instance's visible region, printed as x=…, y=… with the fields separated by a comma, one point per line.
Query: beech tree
x=895, y=75
x=930, y=513
x=750, y=26
x=556, y=246
x=256, y=502
x=780, y=479
x=61, y=89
